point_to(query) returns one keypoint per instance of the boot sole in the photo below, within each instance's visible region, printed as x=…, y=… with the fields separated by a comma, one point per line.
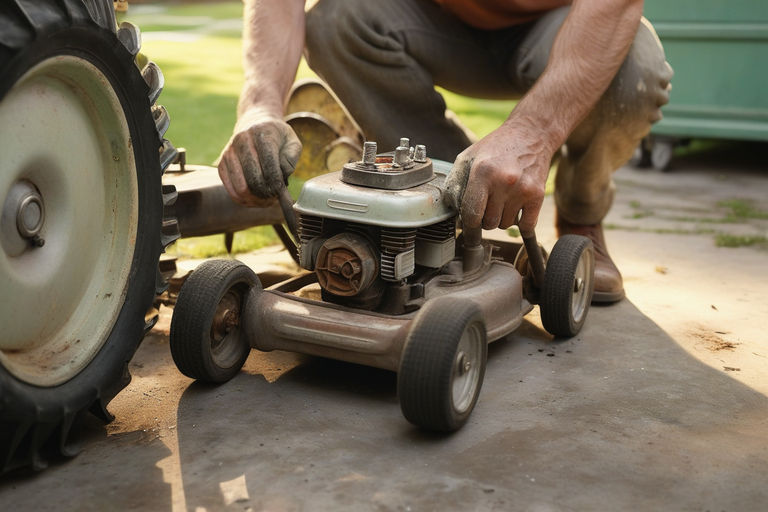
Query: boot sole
x=607, y=297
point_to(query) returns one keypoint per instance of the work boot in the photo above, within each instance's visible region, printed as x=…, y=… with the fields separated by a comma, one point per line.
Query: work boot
x=609, y=286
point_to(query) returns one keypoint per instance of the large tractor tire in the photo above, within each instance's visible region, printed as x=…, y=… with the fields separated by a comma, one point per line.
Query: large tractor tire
x=82, y=226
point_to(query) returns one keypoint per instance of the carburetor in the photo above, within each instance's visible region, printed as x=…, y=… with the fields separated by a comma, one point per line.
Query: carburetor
x=374, y=230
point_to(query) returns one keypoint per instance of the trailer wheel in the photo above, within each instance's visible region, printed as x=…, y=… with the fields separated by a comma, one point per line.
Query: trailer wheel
x=81, y=225
x=568, y=286
x=661, y=153
x=207, y=341
x=443, y=364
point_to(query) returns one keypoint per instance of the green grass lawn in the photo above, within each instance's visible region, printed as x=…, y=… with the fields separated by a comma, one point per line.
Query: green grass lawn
x=198, y=47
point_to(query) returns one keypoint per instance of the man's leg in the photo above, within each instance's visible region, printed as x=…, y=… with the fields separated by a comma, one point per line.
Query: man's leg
x=604, y=140
x=383, y=58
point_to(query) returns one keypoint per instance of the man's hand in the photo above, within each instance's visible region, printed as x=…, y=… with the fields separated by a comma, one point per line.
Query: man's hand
x=258, y=159
x=499, y=176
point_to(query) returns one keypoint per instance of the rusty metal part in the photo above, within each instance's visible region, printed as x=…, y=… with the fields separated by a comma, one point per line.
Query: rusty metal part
x=280, y=321
x=204, y=207
x=226, y=318
x=388, y=174
x=346, y=265
x=314, y=96
x=316, y=136
x=339, y=152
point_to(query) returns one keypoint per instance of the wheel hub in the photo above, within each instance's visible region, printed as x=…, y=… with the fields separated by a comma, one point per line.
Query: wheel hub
x=23, y=217
x=464, y=364
x=467, y=364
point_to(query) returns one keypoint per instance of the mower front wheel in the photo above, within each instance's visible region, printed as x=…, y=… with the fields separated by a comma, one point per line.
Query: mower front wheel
x=443, y=364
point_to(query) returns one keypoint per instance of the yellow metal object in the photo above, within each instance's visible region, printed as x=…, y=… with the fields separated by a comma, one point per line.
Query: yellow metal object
x=328, y=134
x=311, y=95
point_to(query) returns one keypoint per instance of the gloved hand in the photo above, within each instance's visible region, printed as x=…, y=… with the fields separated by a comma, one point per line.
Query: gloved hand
x=498, y=177
x=258, y=159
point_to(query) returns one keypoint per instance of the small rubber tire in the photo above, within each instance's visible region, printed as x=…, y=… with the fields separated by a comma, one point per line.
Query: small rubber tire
x=568, y=286
x=661, y=154
x=436, y=390
x=199, y=348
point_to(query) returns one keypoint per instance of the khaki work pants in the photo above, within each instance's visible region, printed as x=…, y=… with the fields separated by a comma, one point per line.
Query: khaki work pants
x=383, y=58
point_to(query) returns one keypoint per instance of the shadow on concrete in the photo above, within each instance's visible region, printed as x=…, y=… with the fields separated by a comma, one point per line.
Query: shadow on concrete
x=115, y=472
x=620, y=417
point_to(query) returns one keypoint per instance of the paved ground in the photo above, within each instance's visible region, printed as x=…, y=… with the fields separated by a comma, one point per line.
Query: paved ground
x=660, y=403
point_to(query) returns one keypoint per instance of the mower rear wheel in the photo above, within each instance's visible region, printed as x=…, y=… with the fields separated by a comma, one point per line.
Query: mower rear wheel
x=207, y=341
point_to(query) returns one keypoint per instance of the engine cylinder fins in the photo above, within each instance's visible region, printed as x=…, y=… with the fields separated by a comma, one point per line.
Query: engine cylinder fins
x=310, y=227
x=397, y=253
x=310, y=232
x=130, y=35
x=438, y=232
x=346, y=265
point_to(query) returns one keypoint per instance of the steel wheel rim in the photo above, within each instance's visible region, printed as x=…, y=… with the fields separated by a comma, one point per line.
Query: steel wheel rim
x=63, y=129
x=581, y=286
x=465, y=375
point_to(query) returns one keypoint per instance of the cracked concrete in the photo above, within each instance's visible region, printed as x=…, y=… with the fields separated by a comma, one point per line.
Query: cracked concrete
x=660, y=403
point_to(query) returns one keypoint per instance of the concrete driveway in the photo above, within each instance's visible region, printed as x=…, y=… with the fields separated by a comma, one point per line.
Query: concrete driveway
x=660, y=403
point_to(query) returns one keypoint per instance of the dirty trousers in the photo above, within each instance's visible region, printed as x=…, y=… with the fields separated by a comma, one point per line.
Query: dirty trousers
x=383, y=58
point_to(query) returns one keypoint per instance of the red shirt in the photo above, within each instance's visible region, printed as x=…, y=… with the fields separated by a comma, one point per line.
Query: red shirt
x=496, y=14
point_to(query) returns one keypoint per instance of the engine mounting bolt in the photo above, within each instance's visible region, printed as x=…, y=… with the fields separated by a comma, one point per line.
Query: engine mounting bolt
x=401, y=156
x=369, y=152
x=420, y=154
x=405, y=142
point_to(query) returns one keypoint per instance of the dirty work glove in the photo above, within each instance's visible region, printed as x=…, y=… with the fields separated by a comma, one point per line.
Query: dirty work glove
x=258, y=159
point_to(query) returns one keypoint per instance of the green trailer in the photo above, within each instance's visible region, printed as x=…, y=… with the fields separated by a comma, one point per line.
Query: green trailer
x=719, y=51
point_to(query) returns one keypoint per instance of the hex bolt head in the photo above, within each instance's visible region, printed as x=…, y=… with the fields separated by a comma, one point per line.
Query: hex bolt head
x=401, y=156
x=420, y=154
x=369, y=152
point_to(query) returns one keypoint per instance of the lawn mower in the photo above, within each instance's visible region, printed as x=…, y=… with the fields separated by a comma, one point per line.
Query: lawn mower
x=391, y=281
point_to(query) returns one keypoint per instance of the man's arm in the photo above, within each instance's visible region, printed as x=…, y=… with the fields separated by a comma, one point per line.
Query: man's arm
x=507, y=170
x=263, y=151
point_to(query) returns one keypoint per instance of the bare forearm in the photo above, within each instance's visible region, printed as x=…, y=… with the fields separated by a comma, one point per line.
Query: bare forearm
x=587, y=52
x=273, y=39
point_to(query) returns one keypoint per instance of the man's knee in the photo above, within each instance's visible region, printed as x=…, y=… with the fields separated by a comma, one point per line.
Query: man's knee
x=641, y=86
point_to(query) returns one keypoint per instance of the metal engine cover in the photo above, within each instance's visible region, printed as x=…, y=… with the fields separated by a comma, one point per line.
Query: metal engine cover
x=328, y=197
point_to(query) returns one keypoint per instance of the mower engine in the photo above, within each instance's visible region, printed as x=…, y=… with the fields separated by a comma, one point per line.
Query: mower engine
x=377, y=229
